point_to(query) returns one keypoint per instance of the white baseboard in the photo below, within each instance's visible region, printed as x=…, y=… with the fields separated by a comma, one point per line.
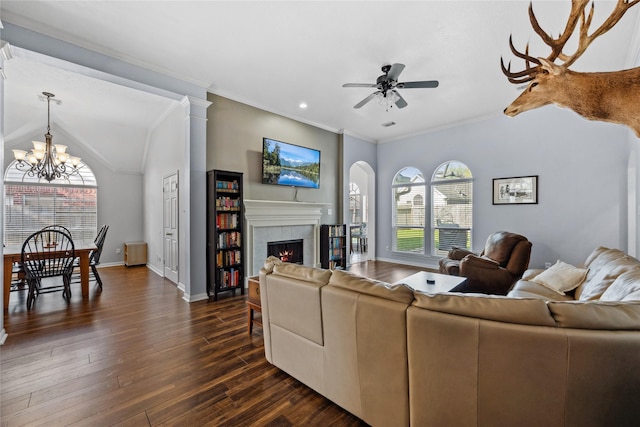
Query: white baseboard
x=413, y=263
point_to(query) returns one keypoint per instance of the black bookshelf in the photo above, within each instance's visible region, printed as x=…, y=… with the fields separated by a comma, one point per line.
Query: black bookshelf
x=225, y=233
x=333, y=246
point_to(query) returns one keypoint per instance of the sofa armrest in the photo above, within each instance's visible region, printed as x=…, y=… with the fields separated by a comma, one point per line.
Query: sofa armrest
x=474, y=261
x=458, y=253
x=487, y=273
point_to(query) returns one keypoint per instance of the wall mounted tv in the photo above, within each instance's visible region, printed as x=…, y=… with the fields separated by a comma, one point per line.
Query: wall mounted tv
x=290, y=165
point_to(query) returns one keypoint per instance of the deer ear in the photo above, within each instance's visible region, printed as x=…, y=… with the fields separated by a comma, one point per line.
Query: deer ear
x=550, y=67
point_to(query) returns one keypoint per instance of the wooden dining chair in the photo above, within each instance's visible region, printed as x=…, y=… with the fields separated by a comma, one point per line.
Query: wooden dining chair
x=48, y=254
x=94, y=258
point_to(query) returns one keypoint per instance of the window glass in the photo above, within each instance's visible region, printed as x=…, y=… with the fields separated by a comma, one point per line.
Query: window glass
x=31, y=204
x=451, y=207
x=409, y=191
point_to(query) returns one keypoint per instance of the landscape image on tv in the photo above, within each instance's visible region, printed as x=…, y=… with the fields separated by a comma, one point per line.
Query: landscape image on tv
x=288, y=164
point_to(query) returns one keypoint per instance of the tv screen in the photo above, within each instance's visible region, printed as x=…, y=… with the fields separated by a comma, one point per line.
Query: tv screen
x=290, y=165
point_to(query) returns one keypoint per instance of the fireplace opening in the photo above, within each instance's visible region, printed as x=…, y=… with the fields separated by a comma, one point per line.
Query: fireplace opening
x=286, y=250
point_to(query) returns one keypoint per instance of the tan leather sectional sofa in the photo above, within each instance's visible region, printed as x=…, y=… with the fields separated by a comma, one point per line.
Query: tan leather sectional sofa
x=395, y=357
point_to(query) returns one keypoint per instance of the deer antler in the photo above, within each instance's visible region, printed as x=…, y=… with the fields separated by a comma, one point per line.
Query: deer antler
x=576, y=15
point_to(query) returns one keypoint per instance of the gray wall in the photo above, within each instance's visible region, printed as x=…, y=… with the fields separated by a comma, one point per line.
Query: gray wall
x=582, y=168
x=234, y=143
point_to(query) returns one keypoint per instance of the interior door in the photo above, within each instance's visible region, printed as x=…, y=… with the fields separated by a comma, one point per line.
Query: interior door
x=170, y=215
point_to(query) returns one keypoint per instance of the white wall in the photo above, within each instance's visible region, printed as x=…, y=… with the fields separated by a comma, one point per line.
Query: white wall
x=165, y=156
x=582, y=168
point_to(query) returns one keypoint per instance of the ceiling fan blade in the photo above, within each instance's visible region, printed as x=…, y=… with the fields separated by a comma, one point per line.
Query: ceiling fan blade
x=367, y=99
x=400, y=103
x=359, y=85
x=395, y=71
x=418, y=85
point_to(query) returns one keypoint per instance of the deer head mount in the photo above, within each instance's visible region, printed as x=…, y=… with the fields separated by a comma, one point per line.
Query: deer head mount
x=606, y=96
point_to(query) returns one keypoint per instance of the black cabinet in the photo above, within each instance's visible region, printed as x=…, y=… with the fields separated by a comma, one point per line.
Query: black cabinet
x=225, y=226
x=333, y=246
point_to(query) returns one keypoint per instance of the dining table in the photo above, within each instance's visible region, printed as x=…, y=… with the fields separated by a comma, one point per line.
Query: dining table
x=13, y=254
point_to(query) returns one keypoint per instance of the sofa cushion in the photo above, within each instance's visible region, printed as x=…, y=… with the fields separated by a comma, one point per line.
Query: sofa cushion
x=531, y=273
x=596, y=315
x=626, y=287
x=293, y=294
x=594, y=288
x=528, y=311
x=353, y=282
x=561, y=277
x=600, y=257
x=530, y=289
x=595, y=254
x=300, y=272
x=270, y=262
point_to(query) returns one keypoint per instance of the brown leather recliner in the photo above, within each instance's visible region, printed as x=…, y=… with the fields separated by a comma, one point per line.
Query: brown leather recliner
x=502, y=262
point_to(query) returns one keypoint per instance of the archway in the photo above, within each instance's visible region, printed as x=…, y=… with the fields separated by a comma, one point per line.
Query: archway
x=361, y=221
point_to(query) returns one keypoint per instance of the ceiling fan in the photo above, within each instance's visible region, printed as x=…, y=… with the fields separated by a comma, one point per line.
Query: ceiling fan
x=387, y=85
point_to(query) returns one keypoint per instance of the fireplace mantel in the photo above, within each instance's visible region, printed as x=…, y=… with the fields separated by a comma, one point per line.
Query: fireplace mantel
x=278, y=213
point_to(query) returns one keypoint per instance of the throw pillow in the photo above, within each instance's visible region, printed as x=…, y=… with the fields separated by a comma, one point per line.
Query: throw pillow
x=561, y=277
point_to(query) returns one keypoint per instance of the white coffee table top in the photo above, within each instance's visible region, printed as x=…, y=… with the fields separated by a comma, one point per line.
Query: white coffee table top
x=443, y=282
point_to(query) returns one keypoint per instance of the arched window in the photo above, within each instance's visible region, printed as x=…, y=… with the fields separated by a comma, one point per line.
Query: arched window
x=408, y=188
x=451, y=207
x=31, y=204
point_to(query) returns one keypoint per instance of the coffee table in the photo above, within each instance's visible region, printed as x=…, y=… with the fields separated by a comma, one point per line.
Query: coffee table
x=442, y=282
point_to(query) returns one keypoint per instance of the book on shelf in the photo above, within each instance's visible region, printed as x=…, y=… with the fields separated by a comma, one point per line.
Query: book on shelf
x=228, y=203
x=225, y=258
x=229, y=278
x=335, y=231
x=227, y=185
x=226, y=221
x=229, y=239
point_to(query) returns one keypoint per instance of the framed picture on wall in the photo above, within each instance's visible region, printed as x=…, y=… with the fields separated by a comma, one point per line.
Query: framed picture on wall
x=518, y=190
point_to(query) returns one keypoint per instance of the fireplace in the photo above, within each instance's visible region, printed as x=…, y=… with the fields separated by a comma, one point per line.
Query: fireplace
x=271, y=220
x=287, y=250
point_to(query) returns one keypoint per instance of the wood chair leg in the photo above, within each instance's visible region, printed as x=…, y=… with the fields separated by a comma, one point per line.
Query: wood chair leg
x=250, y=319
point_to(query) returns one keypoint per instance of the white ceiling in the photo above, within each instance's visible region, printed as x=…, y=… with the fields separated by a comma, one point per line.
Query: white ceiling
x=275, y=55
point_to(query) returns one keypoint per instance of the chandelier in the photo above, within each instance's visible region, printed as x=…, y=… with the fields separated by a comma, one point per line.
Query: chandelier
x=45, y=160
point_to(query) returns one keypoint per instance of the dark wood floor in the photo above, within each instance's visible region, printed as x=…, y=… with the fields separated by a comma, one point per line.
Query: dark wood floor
x=136, y=354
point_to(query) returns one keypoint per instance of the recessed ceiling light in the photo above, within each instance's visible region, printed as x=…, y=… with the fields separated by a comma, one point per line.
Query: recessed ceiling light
x=303, y=105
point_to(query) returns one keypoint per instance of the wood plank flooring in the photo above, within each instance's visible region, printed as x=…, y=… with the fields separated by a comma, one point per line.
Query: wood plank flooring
x=136, y=354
